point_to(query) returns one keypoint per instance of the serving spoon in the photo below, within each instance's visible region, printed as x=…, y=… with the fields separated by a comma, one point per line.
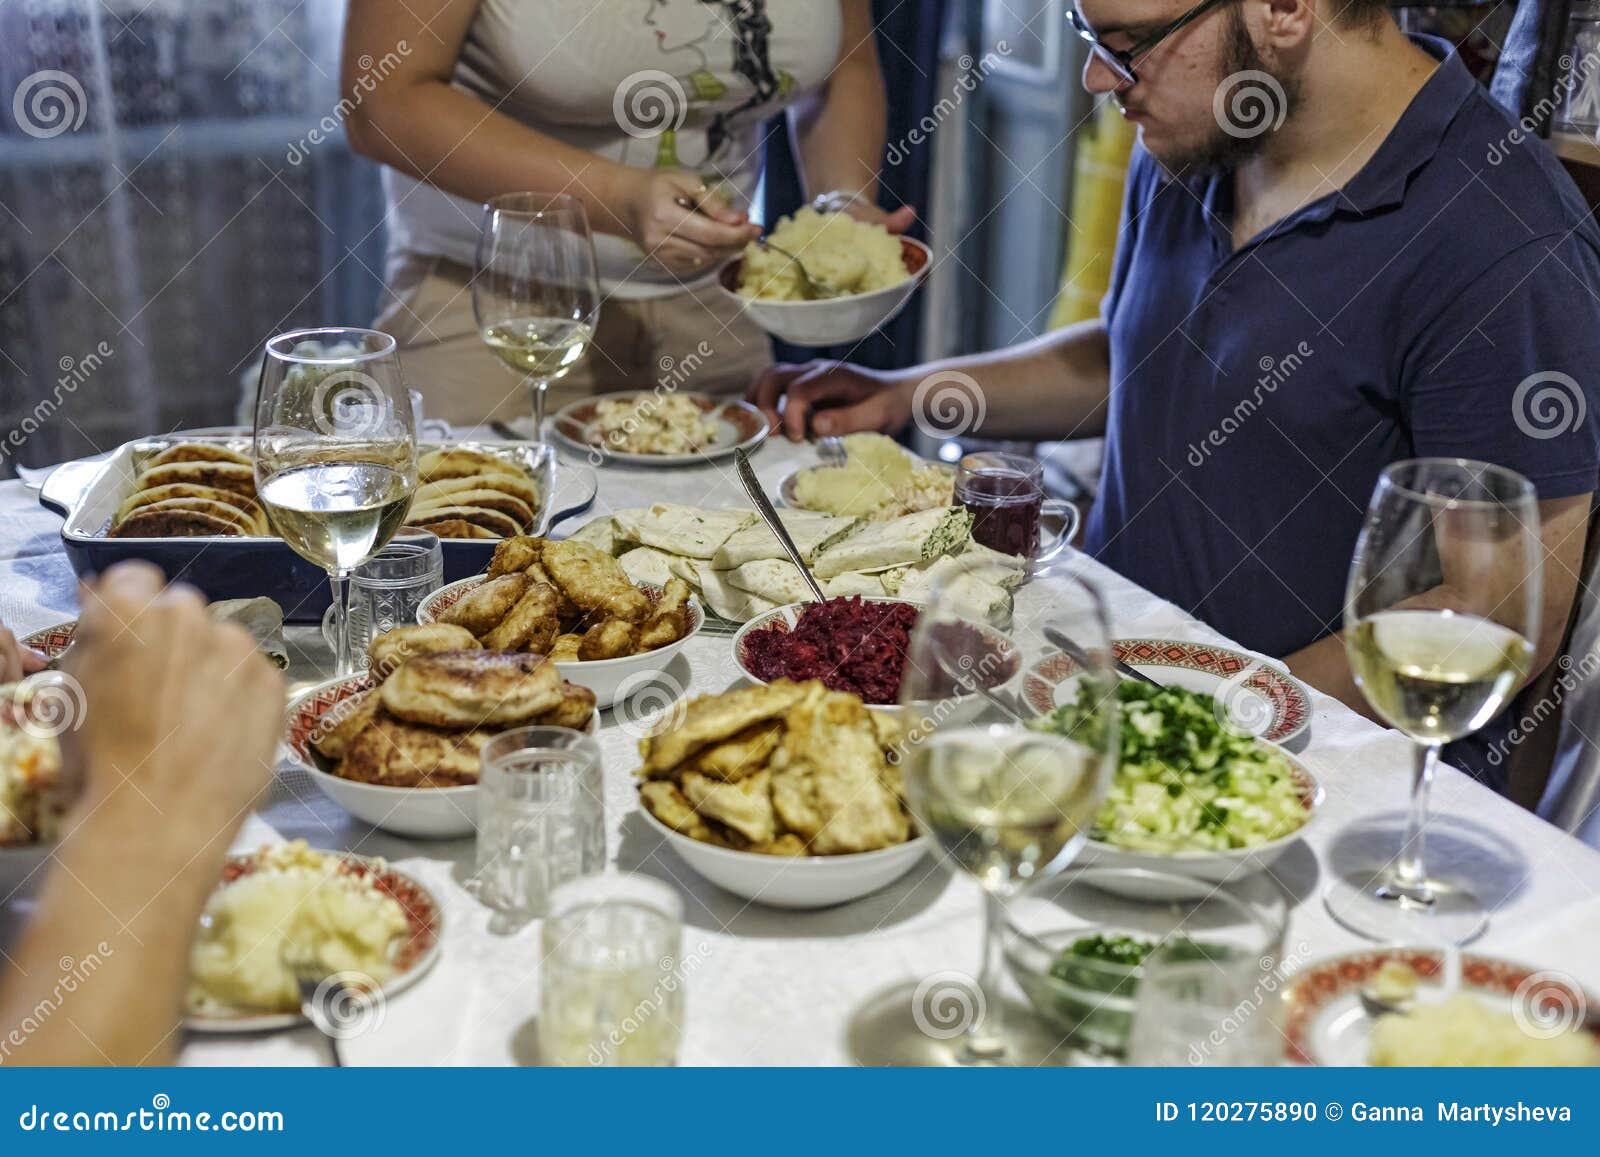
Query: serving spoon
x=763, y=505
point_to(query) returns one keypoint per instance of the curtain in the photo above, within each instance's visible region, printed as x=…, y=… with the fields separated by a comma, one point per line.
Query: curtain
x=163, y=208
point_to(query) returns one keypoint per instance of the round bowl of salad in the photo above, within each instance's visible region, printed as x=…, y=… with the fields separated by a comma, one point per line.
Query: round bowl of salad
x=1194, y=795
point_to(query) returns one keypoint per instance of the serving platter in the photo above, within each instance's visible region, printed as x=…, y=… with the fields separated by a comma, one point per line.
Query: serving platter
x=739, y=426
x=87, y=494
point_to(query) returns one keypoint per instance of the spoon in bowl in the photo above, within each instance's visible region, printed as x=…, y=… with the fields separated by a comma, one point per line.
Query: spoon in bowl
x=763, y=505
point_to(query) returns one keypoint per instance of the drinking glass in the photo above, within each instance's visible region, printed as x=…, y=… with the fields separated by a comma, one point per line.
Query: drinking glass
x=335, y=451
x=387, y=590
x=1222, y=1010
x=1010, y=804
x=1441, y=611
x=611, y=989
x=535, y=292
x=1005, y=495
x=541, y=817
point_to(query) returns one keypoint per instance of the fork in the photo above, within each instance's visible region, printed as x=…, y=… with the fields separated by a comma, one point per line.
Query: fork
x=815, y=290
x=318, y=989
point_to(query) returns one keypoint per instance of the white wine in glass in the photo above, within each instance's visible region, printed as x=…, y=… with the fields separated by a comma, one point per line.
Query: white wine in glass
x=1441, y=612
x=335, y=452
x=535, y=289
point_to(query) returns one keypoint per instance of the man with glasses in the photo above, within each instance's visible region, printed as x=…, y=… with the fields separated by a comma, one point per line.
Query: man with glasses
x=1334, y=255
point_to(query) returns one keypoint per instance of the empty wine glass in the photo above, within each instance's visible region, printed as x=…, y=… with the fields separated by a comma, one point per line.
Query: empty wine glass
x=1441, y=614
x=335, y=452
x=535, y=292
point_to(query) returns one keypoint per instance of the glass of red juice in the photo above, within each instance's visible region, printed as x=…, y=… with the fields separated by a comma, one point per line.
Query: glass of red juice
x=1005, y=495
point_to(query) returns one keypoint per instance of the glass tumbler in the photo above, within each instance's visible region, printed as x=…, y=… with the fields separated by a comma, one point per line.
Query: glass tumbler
x=541, y=817
x=386, y=591
x=611, y=991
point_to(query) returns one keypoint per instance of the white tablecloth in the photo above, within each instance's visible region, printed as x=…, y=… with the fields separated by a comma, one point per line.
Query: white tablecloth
x=770, y=987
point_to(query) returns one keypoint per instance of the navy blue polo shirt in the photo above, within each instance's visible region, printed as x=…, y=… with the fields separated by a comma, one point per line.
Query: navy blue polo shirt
x=1256, y=395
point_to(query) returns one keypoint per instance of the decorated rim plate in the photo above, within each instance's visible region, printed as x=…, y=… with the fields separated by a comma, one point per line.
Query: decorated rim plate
x=51, y=641
x=786, y=484
x=1324, y=1023
x=412, y=958
x=739, y=425
x=1260, y=698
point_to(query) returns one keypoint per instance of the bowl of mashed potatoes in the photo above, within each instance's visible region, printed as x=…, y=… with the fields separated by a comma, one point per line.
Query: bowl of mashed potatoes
x=873, y=272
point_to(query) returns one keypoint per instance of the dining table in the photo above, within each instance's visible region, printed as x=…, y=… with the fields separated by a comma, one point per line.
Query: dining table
x=770, y=986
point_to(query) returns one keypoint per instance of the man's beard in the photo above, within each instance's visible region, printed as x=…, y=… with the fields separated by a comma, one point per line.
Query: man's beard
x=1223, y=151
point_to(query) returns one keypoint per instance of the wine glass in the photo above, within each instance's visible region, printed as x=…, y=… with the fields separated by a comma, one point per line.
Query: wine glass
x=1441, y=611
x=1007, y=801
x=335, y=452
x=535, y=292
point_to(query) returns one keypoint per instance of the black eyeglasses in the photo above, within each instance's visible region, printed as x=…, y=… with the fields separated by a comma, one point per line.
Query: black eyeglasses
x=1121, y=61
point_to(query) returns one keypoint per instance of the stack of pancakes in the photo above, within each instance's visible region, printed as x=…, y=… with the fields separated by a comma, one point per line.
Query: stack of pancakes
x=439, y=698
x=192, y=488
x=464, y=493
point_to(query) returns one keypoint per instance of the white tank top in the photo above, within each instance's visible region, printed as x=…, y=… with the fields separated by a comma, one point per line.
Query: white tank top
x=644, y=82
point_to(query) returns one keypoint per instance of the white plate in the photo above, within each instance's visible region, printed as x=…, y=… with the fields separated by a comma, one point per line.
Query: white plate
x=739, y=425
x=786, y=484
x=1260, y=697
x=610, y=679
x=1324, y=1023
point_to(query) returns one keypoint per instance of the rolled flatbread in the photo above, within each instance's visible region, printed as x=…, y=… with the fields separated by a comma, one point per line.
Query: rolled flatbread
x=904, y=541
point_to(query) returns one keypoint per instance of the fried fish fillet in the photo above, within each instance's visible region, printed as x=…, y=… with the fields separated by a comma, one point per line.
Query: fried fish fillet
x=515, y=555
x=235, y=476
x=746, y=806
x=608, y=640
x=481, y=609
x=395, y=646
x=669, y=620
x=738, y=757
x=710, y=718
x=828, y=778
x=565, y=648
x=395, y=753
x=530, y=625
x=507, y=504
x=340, y=725
x=575, y=709
x=472, y=689
x=197, y=452
x=594, y=581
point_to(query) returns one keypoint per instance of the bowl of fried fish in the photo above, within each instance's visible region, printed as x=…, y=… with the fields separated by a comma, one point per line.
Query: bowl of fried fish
x=785, y=793
x=399, y=744
x=575, y=604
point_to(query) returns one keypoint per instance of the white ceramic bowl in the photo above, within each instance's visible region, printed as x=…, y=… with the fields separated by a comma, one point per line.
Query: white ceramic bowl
x=794, y=881
x=832, y=320
x=611, y=680
x=1207, y=867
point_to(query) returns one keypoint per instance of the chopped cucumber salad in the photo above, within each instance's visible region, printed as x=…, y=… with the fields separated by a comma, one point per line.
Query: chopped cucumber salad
x=1187, y=781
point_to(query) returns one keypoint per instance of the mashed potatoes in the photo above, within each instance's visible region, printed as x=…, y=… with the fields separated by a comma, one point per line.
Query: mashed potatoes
x=849, y=255
x=878, y=479
x=296, y=899
x=668, y=424
x=1465, y=1031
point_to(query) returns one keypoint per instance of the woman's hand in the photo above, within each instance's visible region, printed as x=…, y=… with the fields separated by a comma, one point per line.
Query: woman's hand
x=896, y=222
x=836, y=397
x=689, y=242
x=17, y=660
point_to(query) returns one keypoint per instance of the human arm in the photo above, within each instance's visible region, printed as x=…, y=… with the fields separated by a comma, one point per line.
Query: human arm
x=178, y=737
x=413, y=120
x=1055, y=386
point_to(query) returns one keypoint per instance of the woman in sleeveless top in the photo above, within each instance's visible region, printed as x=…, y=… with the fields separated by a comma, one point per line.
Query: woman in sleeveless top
x=632, y=106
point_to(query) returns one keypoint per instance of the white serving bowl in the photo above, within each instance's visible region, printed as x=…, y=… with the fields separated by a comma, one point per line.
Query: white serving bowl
x=793, y=881
x=610, y=679
x=1206, y=867
x=835, y=319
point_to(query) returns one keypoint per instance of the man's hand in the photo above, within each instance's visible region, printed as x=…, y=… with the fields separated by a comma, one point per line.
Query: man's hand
x=182, y=714
x=17, y=660
x=836, y=398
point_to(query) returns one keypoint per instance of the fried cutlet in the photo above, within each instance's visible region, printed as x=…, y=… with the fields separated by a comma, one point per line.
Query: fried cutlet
x=472, y=689
x=608, y=640
x=708, y=719
x=669, y=620
x=395, y=753
x=481, y=609
x=575, y=709
x=530, y=625
x=594, y=581
x=342, y=723
x=395, y=646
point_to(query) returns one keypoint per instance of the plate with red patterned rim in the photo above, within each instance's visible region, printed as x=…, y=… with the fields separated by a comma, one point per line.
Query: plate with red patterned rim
x=51, y=641
x=1324, y=1023
x=1260, y=698
x=410, y=956
x=737, y=425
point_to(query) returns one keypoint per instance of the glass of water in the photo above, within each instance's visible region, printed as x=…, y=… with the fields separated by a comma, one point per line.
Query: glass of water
x=541, y=817
x=386, y=590
x=611, y=992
